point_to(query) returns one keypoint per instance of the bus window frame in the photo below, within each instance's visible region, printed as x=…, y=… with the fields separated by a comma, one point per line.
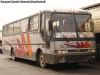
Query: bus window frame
x=19, y=27
x=26, y=25
x=13, y=28
x=4, y=30
x=32, y=17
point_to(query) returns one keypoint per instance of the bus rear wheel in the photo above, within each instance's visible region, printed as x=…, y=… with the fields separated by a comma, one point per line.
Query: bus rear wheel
x=13, y=55
x=41, y=60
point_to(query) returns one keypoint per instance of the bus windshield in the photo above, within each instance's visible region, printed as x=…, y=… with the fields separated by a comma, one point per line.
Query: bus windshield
x=64, y=22
x=84, y=23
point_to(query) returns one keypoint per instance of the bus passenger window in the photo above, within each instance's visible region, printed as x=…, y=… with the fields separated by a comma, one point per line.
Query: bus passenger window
x=17, y=27
x=31, y=24
x=6, y=30
x=24, y=25
x=35, y=19
x=42, y=25
x=10, y=29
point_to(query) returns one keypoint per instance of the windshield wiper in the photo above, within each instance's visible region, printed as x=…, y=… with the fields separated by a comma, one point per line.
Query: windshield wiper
x=62, y=35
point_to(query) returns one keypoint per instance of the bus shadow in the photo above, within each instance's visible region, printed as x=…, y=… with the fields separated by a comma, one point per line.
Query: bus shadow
x=63, y=68
x=25, y=61
x=74, y=69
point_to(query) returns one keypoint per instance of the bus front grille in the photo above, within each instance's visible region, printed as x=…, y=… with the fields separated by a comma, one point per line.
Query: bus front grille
x=79, y=50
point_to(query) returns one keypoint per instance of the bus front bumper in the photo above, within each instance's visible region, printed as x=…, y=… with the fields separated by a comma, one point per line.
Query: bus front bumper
x=70, y=57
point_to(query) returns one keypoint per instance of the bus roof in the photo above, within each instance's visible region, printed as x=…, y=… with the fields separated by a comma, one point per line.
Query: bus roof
x=54, y=10
x=67, y=10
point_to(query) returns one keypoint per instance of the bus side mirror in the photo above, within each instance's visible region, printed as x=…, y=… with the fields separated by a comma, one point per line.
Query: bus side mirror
x=50, y=24
x=92, y=25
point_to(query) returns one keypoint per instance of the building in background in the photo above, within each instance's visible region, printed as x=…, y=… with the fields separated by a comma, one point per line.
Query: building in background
x=95, y=10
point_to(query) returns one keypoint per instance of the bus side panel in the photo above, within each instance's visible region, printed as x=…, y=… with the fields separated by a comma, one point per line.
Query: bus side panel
x=32, y=40
x=6, y=45
x=35, y=44
x=25, y=45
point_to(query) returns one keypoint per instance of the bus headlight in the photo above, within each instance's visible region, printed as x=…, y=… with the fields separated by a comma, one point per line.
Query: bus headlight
x=59, y=51
x=64, y=51
x=92, y=50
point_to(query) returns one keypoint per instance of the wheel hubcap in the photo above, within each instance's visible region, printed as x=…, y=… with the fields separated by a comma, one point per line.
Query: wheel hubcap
x=42, y=64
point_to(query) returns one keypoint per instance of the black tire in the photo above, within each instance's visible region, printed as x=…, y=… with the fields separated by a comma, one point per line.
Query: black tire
x=13, y=55
x=74, y=63
x=41, y=60
x=37, y=60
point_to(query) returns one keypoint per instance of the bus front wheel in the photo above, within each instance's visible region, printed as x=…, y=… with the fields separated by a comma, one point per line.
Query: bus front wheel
x=41, y=60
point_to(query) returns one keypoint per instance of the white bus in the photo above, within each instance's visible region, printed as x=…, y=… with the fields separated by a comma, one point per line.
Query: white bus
x=51, y=37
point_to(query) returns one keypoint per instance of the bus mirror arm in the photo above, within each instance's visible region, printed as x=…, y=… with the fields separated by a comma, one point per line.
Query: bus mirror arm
x=92, y=23
x=50, y=24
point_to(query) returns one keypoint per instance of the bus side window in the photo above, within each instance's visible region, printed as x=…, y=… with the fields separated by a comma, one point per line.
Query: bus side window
x=47, y=32
x=35, y=20
x=47, y=18
x=5, y=30
x=24, y=25
x=31, y=23
x=17, y=27
x=42, y=25
x=10, y=28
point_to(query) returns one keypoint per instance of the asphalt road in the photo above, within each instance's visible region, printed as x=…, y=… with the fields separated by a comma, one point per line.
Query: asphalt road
x=26, y=67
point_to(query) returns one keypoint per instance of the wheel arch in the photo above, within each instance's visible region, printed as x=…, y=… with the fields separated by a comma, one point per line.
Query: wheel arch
x=38, y=52
x=37, y=55
x=11, y=50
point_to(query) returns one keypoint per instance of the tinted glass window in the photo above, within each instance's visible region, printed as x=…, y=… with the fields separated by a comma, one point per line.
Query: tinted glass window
x=24, y=25
x=17, y=27
x=10, y=28
x=31, y=23
x=35, y=19
x=84, y=23
x=5, y=30
x=64, y=22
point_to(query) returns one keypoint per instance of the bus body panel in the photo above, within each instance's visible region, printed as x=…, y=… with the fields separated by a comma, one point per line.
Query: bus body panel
x=75, y=51
x=26, y=44
x=74, y=45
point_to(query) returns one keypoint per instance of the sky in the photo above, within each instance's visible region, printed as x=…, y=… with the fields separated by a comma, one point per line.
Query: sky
x=13, y=11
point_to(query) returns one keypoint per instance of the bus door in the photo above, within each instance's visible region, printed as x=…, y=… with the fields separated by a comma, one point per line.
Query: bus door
x=44, y=29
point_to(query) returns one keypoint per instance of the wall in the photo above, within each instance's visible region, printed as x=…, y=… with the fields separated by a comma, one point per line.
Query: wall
x=96, y=18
